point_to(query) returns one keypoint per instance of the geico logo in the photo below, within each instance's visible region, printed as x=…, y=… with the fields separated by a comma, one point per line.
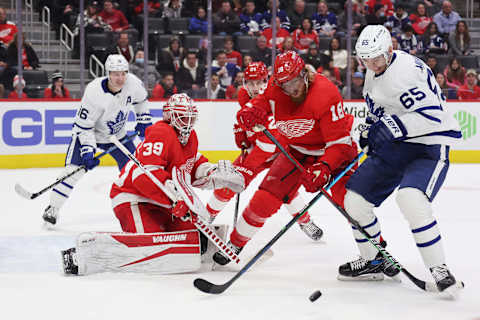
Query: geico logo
x=170, y=238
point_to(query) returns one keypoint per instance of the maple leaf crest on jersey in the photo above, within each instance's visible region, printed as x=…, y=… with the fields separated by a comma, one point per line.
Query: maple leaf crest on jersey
x=117, y=125
x=295, y=128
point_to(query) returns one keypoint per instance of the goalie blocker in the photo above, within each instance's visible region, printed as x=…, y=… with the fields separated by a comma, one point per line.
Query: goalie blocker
x=150, y=253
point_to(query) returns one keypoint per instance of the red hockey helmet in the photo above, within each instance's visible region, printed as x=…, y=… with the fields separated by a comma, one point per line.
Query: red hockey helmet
x=182, y=114
x=288, y=65
x=256, y=71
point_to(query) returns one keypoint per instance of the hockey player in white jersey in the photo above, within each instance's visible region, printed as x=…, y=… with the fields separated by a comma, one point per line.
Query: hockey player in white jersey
x=103, y=112
x=408, y=137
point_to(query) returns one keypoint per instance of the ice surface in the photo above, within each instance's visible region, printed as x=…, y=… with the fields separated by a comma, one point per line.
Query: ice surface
x=32, y=285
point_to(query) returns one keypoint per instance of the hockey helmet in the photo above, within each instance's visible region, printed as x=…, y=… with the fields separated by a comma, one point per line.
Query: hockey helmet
x=256, y=78
x=288, y=65
x=182, y=114
x=375, y=40
x=116, y=62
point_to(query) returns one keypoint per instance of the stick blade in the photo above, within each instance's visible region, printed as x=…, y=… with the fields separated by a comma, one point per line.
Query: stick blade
x=208, y=287
x=21, y=191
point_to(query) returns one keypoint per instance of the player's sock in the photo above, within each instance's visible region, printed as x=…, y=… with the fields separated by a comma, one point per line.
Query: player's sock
x=218, y=201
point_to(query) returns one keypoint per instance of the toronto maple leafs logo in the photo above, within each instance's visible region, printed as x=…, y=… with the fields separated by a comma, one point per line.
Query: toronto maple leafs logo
x=374, y=112
x=117, y=125
x=295, y=128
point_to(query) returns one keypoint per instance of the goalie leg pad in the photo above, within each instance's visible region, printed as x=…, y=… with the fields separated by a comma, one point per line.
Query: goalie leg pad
x=362, y=211
x=417, y=210
x=142, y=217
x=155, y=253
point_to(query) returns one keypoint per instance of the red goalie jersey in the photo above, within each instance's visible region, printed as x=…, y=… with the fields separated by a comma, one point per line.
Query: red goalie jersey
x=159, y=152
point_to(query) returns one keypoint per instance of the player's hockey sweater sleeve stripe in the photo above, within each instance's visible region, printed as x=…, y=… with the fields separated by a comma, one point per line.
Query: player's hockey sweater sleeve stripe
x=137, y=171
x=430, y=117
x=343, y=140
x=83, y=128
x=267, y=147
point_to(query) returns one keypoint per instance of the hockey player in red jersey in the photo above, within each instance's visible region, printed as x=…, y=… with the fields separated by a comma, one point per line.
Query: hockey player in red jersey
x=258, y=152
x=308, y=112
x=141, y=207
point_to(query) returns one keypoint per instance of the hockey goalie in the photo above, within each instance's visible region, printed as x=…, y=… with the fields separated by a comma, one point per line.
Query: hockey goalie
x=159, y=235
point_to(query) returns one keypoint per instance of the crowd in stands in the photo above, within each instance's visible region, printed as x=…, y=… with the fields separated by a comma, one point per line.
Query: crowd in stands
x=429, y=29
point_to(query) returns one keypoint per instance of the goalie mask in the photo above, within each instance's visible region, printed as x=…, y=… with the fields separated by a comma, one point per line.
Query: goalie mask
x=181, y=114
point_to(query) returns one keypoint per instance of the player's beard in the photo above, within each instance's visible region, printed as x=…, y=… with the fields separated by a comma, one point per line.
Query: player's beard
x=299, y=94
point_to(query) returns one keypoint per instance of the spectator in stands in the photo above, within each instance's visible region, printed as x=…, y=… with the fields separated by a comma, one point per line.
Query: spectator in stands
x=378, y=15
x=387, y=6
x=226, y=21
x=281, y=14
x=216, y=90
x=166, y=88
x=57, y=89
x=8, y=29
x=446, y=19
x=191, y=75
x=395, y=45
x=155, y=8
x=232, y=55
x=3, y=67
x=173, y=9
x=448, y=92
x=304, y=36
x=432, y=41
x=281, y=34
x=459, y=40
x=329, y=74
x=199, y=23
x=247, y=59
x=123, y=47
x=250, y=19
x=408, y=41
x=170, y=58
x=339, y=56
x=29, y=57
x=324, y=21
x=115, y=18
x=357, y=87
x=138, y=69
x=232, y=90
x=297, y=15
x=358, y=19
x=226, y=71
x=261, y=52
x=455, y=74
x=315, y=58
x=399, y=19
x=92, y=22
x=334, y=73
x=17, y=86
x=433, y=6
x=2, y=91
x=432, y=63
x=288, y=45
x=470, y=90
x=420, y=19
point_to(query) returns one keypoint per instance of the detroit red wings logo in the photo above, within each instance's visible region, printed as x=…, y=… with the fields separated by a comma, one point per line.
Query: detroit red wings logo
x=295, y=128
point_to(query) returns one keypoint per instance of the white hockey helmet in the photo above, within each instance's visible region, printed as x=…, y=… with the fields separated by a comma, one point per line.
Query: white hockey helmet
x=116, y=62
x=375, y=40
x=182, y=114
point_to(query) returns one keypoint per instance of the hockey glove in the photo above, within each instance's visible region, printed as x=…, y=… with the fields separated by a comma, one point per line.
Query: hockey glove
x=87, y=153
x=222, y=175
x=250, y=117
x=387, y=129
x=179, y=207
x=144, y=121
x=316, y=176
x=241, y=137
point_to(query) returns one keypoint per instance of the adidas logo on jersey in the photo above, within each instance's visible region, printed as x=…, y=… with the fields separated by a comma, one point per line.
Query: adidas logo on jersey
x=169, y=238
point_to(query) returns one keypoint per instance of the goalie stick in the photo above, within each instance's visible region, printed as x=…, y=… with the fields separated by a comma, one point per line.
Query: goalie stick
x=190, y=197
x=208, y=287
x=424, y=285
x=32, y=195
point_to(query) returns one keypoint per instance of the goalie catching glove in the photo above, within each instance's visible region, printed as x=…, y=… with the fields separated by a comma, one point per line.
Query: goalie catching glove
x=222, y=175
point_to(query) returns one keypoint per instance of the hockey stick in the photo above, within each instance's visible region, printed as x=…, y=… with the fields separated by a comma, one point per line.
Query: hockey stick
x=29, y=195
x=424, y=285
x=193, y=205
x=237, y=200
x=208, y=287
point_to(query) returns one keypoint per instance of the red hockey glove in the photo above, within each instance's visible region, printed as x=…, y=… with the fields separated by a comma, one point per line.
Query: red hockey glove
x=180, y=210
x=316, y=176
x=249, y=117
x=241, y=137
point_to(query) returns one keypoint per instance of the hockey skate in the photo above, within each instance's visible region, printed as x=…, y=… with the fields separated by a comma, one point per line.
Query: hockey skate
x=362, y=269
x=311, y=230
x=445, y=281
x=69, y=260
x=222, y=259
x=50, y=217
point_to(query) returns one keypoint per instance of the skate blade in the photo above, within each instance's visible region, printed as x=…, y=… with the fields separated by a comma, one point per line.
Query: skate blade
x=366, y=277
x=452, y=292
x=48, y=226
x=396, y=278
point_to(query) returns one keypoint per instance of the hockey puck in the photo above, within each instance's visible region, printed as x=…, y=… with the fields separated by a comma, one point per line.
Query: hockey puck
x=315, y=295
